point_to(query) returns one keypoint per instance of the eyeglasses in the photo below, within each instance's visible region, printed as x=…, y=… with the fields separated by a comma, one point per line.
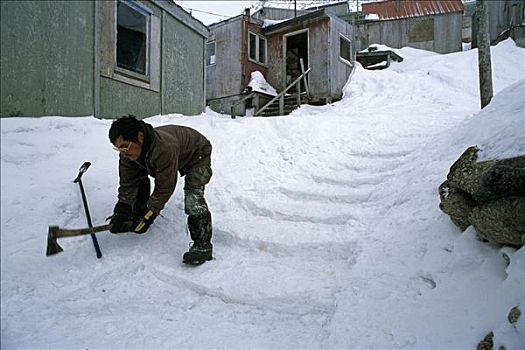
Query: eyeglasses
x=123, y=149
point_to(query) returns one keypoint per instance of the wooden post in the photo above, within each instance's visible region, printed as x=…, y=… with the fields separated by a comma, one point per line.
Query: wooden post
x=304, y=78
x=298, y=93
x=281, y=105
x=484, y=61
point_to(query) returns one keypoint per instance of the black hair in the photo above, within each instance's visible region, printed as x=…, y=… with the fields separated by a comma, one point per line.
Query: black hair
x=128, y=127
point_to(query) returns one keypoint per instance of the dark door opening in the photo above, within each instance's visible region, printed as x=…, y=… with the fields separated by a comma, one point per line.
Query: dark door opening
x=296, y=48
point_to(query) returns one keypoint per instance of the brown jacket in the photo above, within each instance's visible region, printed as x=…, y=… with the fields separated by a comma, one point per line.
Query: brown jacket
x=166, y=150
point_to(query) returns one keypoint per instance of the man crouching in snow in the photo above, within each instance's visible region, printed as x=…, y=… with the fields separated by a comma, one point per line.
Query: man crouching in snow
x=162, y=152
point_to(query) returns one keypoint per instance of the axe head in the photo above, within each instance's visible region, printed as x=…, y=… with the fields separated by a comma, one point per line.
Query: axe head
x=52, y=245
x=81, y=171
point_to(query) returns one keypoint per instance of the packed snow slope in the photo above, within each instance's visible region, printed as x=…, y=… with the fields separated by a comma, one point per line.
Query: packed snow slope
x=327, y=231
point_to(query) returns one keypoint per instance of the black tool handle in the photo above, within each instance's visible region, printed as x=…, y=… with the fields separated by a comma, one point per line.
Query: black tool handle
x=88, y=216
x=82, y=170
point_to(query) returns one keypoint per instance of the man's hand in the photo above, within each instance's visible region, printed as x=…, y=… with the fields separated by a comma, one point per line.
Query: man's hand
x=145, y=222
x=122, y=219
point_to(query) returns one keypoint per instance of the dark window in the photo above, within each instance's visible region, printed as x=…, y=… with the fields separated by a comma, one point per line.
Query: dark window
x=257, y=48
x=132, y=38
x=210, y=53
x=345, y=49
x=262, y=50
x=252, y=46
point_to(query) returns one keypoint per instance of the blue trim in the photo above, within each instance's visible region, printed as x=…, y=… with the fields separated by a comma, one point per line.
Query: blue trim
x=137, y=6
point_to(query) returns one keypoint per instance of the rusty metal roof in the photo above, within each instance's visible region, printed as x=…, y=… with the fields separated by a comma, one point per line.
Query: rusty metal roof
x=394, y=9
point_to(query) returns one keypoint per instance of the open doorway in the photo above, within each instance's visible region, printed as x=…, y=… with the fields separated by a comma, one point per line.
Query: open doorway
x=296, y=47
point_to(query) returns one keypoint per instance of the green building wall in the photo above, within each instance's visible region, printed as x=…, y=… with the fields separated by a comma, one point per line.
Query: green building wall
x=118, y=99
x=182, y=68
x=50, y=64
x=47, y=58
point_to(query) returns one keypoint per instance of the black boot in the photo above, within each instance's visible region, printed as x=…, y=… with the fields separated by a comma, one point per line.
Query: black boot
x=200, y=231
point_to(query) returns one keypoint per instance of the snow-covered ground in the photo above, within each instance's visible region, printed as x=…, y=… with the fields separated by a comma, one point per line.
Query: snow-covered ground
x=327, y=231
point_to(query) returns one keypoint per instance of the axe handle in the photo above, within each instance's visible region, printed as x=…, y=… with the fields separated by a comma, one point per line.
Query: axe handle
x=86, y=209
x=64, y=232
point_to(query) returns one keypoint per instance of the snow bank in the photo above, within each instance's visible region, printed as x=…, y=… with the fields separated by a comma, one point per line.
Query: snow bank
x=327, y=231
x=259, y=83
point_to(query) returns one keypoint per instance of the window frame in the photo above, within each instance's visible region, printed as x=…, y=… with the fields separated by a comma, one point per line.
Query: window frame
x=351, y=53
x=146, y=12
x=258, y=39
x=208, y=59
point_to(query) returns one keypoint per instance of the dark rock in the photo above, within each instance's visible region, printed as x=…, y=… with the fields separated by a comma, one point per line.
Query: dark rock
x=487, y=180
x=500, y=221
x=490, y=195
x=501, y=179
x=463, y=171
x=487, y=343
x=457, y=204
x=514, y=315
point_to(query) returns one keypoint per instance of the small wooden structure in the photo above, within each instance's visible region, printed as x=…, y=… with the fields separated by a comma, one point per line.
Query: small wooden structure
x=244, y=44
x=374, y=59
x=433, y=25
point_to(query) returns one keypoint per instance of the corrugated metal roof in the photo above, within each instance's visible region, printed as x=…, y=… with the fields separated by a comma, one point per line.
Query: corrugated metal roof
x=394, y=9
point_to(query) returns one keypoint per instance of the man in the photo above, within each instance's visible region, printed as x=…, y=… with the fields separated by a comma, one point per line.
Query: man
x=162, y=152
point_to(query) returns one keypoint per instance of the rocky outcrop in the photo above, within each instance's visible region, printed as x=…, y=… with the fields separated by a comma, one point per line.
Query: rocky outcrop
x=488, y=342
x=488, y=195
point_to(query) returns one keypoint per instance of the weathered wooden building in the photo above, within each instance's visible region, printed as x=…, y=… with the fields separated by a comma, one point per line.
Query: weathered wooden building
x=282, y=13
x=506, y=18
x=323, y=41
x=244, y=44
x=433, y=25
x=101, y=58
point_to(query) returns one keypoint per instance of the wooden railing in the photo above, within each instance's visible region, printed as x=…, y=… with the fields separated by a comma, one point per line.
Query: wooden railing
x=233, y=108
x=280, y=96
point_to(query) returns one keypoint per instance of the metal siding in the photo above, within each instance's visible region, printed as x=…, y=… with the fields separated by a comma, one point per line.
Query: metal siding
x=373, y=33
x=412, y=8
x=182, y=68
x=448, y=33
x=501, y=15
x=225, y=77
x=276, y=14
x=118, y=99
x=417, y=44
x=394, y=33
x=47, y=58
x=319, y=60
x=337, y=9
x=340, y=71
x=211, y=72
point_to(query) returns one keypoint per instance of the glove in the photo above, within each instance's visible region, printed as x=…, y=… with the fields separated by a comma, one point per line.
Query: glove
x=122, y=219
x=145, y=221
